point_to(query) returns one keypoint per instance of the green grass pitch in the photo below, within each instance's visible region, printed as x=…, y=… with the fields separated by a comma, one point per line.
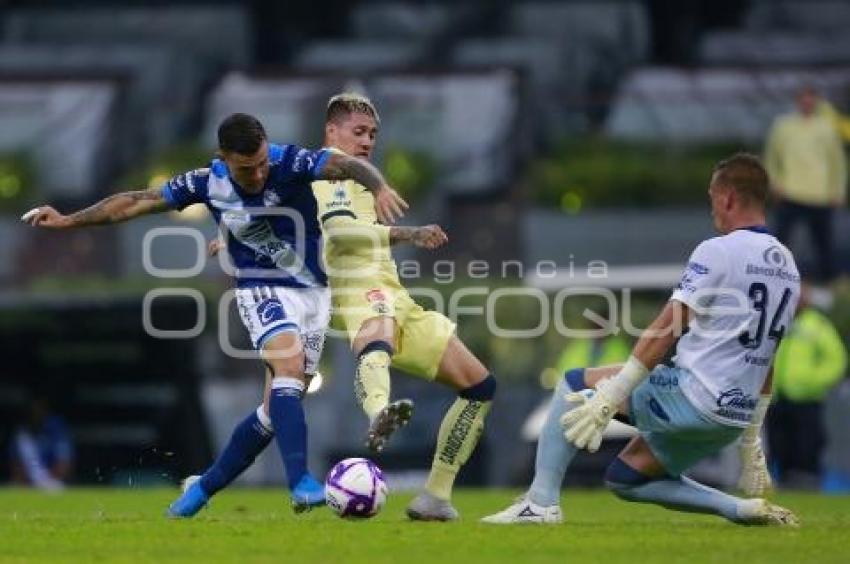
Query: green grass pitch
x=242, y=525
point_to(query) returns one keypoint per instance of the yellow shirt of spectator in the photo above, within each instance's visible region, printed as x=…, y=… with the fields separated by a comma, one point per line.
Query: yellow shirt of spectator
x=805, y=160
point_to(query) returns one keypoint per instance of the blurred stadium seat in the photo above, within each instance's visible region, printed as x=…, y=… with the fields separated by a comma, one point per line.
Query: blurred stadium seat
x=351, y=57
x=67, y=126
x=774, y=48
x=217, y=36
x=712, y=104
x=403, y=21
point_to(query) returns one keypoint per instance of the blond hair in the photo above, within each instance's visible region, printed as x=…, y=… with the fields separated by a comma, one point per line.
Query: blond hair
x=347, y=103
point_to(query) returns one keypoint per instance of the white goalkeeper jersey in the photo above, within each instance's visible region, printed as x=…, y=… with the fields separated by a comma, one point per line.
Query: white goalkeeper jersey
x=743, y=288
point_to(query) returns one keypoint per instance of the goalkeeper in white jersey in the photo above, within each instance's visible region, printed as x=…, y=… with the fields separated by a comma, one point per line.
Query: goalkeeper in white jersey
x=736, y=298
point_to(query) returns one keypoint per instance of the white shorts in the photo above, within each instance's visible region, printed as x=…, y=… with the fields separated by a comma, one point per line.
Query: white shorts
x=269, y=310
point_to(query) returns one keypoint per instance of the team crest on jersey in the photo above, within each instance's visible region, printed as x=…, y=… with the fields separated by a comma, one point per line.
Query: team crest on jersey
x=378, y=301
x=303, y=161
x=375, y=295
x=271, y=198
x=774, y=256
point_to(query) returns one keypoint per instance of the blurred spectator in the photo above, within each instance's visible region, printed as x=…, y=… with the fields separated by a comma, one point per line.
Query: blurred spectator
x=807, y=166
x=810, y=361
x=41, y=453
x=579, y=353
x=604, y=348
x=840, y=121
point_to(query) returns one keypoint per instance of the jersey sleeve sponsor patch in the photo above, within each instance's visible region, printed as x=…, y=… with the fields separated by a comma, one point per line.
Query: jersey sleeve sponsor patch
x=333, y=200
x=702, y=276
x=303, y=164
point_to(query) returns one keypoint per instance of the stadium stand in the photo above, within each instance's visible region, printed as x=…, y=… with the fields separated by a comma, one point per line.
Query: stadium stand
x=712, y=104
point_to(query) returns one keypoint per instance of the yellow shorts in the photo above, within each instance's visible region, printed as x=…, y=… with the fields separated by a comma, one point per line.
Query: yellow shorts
x=421, y=335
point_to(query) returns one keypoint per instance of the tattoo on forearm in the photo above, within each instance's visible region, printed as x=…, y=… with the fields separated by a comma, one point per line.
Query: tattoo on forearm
x=114, y=208
x=399, y=234
x=342, y=167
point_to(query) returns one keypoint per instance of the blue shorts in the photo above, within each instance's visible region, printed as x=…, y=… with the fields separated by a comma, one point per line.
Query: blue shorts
x=677, y=433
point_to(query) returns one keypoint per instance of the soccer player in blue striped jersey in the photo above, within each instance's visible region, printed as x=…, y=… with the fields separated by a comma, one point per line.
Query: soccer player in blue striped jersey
x=260, y=195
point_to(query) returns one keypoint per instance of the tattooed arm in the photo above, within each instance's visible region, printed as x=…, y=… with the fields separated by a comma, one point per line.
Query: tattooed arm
x=426, y=237
x=113, y=209
x=388, y=204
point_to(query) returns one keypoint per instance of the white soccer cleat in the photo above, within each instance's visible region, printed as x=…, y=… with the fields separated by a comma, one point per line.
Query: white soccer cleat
x=761, y=512
x=524, y=511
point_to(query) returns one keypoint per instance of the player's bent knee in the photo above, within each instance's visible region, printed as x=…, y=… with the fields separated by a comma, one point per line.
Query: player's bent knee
x=622, y=480
x=484, y=390
x=575, y=379
x=376, y=346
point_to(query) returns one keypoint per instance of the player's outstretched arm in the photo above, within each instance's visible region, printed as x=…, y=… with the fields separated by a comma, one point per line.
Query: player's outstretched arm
x=114, y=209
x=355, y=235
x=426, y=237
x=388, y=204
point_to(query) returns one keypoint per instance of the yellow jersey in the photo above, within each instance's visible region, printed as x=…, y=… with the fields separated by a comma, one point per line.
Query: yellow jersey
x=364, y=279
x=354, y=241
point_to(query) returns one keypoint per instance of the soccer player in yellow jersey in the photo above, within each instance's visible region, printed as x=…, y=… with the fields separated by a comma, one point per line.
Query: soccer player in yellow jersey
x=384, y=325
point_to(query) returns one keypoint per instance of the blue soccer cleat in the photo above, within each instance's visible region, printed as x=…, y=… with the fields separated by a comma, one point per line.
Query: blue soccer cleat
x=191, y=501
x=307, y=494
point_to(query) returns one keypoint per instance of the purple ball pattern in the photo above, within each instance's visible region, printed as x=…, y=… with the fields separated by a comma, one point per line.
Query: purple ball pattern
x=358, y=504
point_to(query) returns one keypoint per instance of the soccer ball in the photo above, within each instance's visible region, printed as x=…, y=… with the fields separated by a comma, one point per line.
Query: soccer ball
x=355, y=487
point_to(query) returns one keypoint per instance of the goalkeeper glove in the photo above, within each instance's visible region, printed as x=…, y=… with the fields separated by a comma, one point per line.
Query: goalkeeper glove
x=584, y=424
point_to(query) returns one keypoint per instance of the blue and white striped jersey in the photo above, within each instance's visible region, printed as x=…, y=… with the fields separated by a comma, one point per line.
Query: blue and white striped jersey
x=273, y=238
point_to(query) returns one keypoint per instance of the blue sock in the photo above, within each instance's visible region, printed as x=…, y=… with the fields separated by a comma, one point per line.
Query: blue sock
x=287, y=415
x=249, y=438
x=554, y=453
x=681, y=494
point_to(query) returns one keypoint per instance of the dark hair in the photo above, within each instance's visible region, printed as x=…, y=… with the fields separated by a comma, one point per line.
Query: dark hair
x=241, y=133
x=744, y=173
x=347, y=103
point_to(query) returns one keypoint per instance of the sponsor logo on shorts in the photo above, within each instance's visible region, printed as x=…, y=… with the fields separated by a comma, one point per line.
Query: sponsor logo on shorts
x=663, y=380
x=313, y=342
x=270, y=310
x=656, y=408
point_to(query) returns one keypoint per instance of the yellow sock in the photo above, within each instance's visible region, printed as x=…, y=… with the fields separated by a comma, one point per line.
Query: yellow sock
x=459, y=433
x=372, y=382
